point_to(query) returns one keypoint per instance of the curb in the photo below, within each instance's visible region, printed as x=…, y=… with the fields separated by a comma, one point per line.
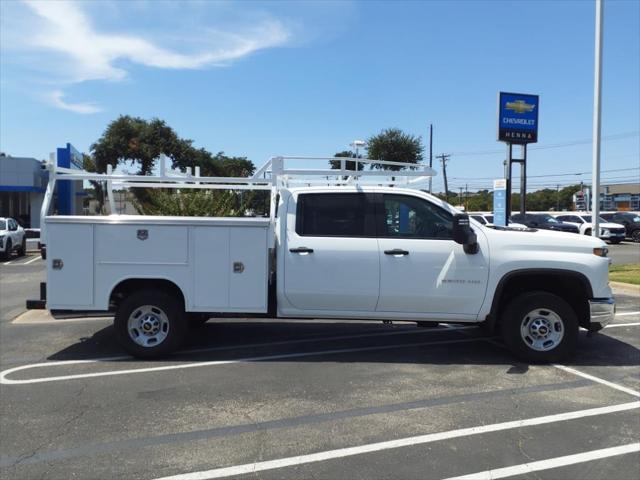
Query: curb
x=625, y=288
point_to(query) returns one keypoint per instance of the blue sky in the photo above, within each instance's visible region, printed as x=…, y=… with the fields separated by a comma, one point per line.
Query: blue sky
x=258, y=79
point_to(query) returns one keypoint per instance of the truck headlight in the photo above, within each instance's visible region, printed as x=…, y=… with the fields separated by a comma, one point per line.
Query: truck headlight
x=604, y=231
x=601, y=252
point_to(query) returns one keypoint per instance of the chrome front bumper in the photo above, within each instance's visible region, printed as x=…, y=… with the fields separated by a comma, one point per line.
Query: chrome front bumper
x=601, y=313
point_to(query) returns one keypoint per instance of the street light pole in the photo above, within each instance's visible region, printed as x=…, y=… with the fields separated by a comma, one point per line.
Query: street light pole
x=597, y=124
x=357, y=144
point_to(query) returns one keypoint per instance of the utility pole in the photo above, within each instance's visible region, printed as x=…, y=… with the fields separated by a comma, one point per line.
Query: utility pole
x=466, y=197
x=557, y=197
x=460, y=197
x=444, y=158
x=430, y=156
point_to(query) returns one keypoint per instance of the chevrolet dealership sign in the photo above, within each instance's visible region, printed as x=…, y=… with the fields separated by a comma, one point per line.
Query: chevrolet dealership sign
x=517, y=118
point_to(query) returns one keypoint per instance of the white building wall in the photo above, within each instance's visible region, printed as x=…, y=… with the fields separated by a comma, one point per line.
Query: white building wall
x=35, y=203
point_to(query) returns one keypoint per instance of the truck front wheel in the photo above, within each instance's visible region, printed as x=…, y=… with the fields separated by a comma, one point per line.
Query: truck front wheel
x=150, y=324
x=539, y=327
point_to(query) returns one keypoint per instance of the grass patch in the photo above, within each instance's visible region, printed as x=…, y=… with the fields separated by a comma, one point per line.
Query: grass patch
x=625, y=273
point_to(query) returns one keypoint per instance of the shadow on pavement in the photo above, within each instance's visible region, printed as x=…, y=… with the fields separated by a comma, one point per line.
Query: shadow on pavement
x=230, y=340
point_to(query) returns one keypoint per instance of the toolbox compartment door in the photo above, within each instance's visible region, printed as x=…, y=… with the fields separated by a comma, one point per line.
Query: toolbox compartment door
x=69, y=266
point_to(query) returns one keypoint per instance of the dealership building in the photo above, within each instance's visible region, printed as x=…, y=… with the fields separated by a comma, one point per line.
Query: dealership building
x=624, y=196
x=23, y=181
x=613, y=197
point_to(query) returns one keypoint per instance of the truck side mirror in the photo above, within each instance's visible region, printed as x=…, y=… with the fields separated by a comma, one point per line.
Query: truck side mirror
x=463, y=234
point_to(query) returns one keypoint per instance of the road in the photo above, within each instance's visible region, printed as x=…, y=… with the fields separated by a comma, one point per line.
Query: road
x=626, y=252
x=310, y=399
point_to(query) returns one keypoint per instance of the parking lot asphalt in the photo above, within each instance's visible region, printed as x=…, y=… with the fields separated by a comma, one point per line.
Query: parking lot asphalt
x=310, y=399
x=625, y=252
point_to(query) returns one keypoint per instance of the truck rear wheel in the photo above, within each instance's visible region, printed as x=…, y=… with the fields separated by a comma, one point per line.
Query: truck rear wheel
x=539, y=327
x=150, y=324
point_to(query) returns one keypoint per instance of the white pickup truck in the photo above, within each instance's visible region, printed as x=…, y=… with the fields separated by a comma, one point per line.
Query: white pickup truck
x=348, y=249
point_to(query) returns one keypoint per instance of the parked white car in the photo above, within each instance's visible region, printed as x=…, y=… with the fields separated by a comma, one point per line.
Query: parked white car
x=487, y=219
x=353, y=248
x=612, y=232
x=12, y=238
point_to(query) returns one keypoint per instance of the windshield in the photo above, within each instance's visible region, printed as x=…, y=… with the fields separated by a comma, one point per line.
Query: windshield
x=489, y=218
x=3, y=224
x=549, y=219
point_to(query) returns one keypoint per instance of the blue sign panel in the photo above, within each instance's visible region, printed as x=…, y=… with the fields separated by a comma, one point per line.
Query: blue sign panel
x=500, y=203
x=518, y=117
x=68, y=157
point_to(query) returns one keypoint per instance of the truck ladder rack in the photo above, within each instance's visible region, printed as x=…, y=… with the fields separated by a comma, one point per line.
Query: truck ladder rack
x=271, y=176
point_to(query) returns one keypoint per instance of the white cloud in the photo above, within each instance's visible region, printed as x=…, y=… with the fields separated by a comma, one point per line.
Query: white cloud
x=56, y=98
x=68, y=41
x=95, y=55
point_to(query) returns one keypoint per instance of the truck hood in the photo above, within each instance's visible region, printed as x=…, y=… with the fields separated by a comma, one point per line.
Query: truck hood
x=540, y=239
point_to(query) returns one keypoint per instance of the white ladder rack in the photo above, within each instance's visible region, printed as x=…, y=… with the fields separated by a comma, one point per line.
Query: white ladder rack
x=271, y=176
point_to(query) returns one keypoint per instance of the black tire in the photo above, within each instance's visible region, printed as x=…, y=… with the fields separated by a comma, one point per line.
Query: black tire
x=6, y=255
x=43, y=253
x=169, y=312
x=635, y=236
x=587, y=232
x=23, y=247
x=558, y=314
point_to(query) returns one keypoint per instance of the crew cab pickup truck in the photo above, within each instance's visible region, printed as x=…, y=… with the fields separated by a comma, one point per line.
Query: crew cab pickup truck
x=339, y=251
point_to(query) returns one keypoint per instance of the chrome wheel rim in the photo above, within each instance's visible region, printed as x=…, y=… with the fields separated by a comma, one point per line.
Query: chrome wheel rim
x=148, y=326
x=542, y=329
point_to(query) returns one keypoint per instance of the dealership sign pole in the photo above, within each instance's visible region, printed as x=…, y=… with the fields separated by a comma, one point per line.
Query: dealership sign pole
x=517, y=124
x=597, y=109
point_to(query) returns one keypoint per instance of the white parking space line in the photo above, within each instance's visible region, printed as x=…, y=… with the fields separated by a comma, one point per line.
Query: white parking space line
x=624, y=314
x=551, y=463
x=17, y=261
x=32, y=260
x=630, y=324
x=392, y=444
x=20, y=320
x=599, y=380
x=7, y=381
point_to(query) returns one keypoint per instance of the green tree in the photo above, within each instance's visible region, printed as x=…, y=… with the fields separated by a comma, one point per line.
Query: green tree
x=392, y=144
x=349, y=165
x=138, y=142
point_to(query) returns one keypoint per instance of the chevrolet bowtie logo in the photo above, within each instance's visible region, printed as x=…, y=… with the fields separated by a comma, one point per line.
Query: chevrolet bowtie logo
x=520, y=106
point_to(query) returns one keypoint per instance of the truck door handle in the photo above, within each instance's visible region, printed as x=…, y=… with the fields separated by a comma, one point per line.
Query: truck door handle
x=396, y=251
x=301, y=250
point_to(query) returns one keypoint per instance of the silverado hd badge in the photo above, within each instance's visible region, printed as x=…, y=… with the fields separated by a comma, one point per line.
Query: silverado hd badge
x=143, y=234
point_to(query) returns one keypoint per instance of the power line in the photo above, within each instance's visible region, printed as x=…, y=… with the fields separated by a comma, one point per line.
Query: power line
x=553, y=174
x=570, y=143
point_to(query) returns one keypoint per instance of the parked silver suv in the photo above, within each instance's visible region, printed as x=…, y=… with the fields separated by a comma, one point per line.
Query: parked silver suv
x=12, y=238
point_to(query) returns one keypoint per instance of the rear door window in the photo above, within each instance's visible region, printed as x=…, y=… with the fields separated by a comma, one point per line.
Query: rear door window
x=334, y=215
